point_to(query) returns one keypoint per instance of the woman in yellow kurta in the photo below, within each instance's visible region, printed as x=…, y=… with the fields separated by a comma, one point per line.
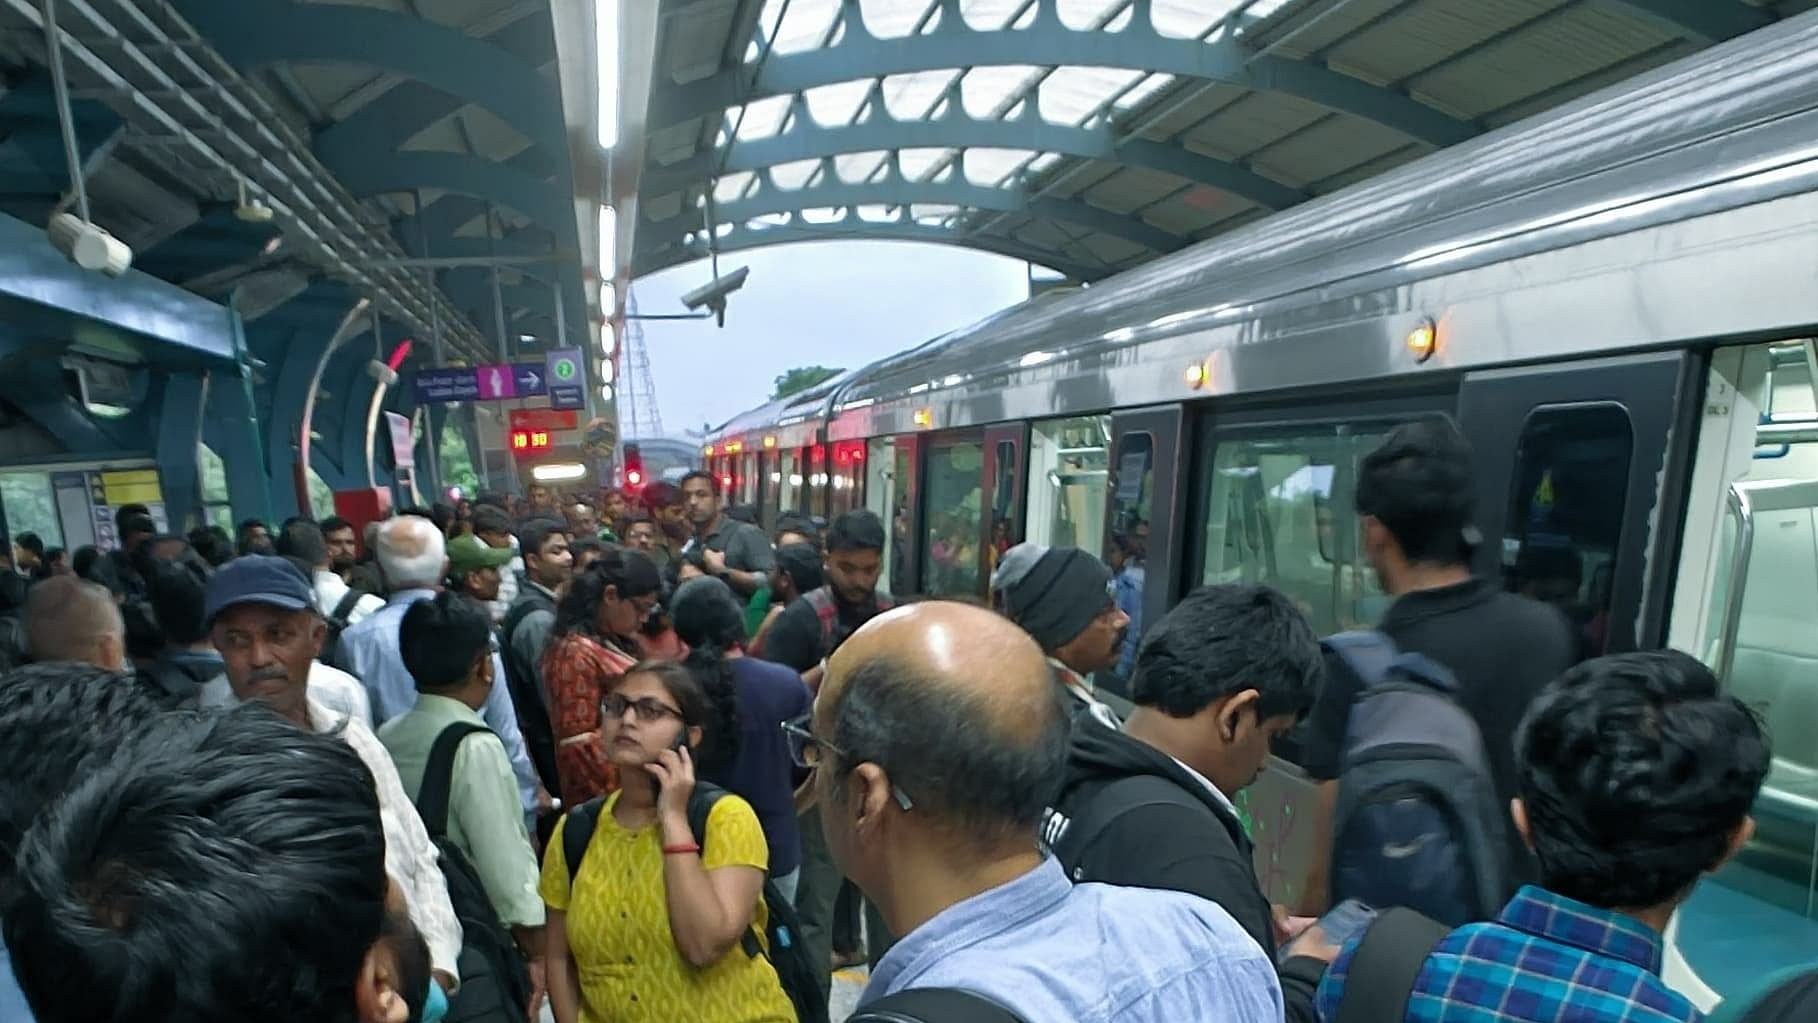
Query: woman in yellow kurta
x=651, y=930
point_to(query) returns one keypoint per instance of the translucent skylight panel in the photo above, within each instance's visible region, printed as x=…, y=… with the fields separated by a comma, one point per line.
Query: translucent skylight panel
x=987, y=90
x=876, y=213
x=762, y=118
x=991, y=14
x=805, y=26
x=794, y=174
x=837, y=104
x=853, y=168
x=893, y=19
x=917, y=164
x=932, y=211
x=771, y=220
x=731, y=186
x=910, y=97
x=823, y=214
x=1190, y=19
x=1044, y=161
x=1071, y=95
x=992, y=166
x=1082, y=15
x=1143, y=90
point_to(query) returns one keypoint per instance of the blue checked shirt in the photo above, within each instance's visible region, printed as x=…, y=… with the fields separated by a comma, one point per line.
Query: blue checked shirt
x=1545, y=959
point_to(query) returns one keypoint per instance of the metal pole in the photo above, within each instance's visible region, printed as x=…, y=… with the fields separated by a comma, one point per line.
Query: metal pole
x=498, y=312
x=53, y=43
x=429, y=419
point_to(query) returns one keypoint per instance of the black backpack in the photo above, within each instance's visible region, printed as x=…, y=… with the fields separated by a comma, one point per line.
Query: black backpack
x=934, y=1005
x=1417, y=822
x=785, y=953
x=495, y=981
x=1386, y=967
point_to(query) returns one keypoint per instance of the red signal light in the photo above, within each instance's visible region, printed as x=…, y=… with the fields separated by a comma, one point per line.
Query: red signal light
x=634, y=477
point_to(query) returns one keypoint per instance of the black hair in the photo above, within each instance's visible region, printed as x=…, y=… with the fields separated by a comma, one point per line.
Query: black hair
x=662, y=494
x=248, y=525
x=588, y=545
x=946, y=749
x=58, y=722
x=417, y=511
x=274, y=828
x=534, y=534
x=802, y=564
x=629, y=573
x=54, y=554
x=489, y=519
x=796, y=522
x=746, y=513
x=710, y=621
x=440, y=639
x=334, y=523
x=31, y=542
x=699, y=474
x=857, y=530
x=1636, y=772
x=12, y=591
x=178, y=592
x=213, y=544
x=135, y=523
x=303, y=540
x=1418, y=485
x=443, y=515
x=1222, y=640
x=91, y=564
x=126, y=511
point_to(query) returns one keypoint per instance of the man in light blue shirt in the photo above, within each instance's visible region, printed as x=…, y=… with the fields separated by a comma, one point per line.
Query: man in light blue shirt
x=938, y=742
x=413, y=556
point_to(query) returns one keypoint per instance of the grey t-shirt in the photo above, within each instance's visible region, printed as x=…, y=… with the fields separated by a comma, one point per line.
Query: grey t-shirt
x=746, y=547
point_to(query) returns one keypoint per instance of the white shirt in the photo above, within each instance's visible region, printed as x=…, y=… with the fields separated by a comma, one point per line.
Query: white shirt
x=1217, y=793
x=328, y=685
x=410, y=857
x=331, y=588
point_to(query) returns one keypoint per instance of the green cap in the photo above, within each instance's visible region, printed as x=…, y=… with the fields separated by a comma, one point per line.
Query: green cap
x=470, y=554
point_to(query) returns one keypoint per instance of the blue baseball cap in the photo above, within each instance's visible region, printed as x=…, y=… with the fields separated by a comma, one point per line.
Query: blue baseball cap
x=257, y=579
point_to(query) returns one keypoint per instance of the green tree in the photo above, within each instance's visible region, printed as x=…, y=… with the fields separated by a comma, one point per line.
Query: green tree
x=801, y=378
x=457, y=462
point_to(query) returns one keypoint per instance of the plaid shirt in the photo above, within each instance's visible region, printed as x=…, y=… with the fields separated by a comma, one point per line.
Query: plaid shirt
x=1545, y=959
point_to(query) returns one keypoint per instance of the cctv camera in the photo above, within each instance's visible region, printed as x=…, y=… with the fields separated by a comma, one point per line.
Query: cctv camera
x=712, y=295
x=88, y=246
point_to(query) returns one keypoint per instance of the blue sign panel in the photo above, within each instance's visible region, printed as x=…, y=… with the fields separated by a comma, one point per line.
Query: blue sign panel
x=444, y=385
x=567, y=396
x=529, y=378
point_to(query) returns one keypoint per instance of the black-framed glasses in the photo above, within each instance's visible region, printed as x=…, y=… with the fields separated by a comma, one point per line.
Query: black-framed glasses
x=649, y=710
x=810, y=750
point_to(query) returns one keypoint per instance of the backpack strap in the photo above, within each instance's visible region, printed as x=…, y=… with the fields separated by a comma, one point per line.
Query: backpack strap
x=935, y=1005
x=1369, y=654
x=577, y=832
x=346, y=605
x=700, y=806
x=1387, y=965
x=438, y=777
x=820, y=601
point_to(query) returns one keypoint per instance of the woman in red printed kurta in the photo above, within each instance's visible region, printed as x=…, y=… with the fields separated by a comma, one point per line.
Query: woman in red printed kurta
x=587, y=655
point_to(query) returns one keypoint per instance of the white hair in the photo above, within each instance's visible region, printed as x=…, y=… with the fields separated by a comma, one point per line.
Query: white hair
x=412, y=553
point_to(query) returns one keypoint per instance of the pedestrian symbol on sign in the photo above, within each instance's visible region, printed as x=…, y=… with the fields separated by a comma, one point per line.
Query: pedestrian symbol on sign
x=563, y=369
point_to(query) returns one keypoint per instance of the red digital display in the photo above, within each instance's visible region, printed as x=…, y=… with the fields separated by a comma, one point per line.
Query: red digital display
x=525, y=443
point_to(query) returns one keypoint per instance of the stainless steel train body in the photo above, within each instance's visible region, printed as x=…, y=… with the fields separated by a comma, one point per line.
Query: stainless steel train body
x=1615, y=303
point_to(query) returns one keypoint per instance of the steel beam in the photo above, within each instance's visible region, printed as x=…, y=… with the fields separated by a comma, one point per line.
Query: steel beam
x=537, y=199
x=1704, y=21
x=1048, y=41
x=180, y=397
x=853, y=228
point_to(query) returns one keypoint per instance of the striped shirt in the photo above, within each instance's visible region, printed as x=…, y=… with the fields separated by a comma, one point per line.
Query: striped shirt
x=1544, y=959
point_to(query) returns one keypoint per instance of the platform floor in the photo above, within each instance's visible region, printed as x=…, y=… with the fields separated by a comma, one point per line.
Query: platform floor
x=846, y=987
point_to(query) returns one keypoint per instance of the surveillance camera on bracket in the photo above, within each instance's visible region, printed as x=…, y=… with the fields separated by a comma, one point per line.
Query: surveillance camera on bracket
x=89, y=246
x=713, y=294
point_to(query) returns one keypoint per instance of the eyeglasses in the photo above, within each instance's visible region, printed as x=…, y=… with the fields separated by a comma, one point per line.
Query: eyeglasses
x=810, y=750
x=648, y=710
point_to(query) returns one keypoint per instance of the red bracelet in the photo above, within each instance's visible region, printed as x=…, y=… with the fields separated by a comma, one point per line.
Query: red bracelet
x=678, y=850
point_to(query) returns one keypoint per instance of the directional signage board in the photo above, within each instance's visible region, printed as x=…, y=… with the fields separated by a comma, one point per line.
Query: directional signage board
x=567, y=385
x=542, y=419
x=483, y=383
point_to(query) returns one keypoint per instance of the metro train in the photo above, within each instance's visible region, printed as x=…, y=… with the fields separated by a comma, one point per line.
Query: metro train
x=1617, y=304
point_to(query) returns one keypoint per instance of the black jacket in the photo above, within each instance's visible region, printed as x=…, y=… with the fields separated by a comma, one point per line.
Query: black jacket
x=1130, y=815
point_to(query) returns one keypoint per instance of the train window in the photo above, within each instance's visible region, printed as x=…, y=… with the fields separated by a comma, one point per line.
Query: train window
x=1127, y=548
x=901, y=517
x=950, y=562
x=1003, y=506
x=1069, y=463
x=1565, y=513
x=883, y=495
x=1280, y=513
x=771, y=485
x=848, y=478
x=30, y=506
x=789, y=481
x=211, y=485
x=817, y=480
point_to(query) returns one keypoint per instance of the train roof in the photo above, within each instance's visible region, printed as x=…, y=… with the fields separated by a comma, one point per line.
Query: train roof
x=1608, y=163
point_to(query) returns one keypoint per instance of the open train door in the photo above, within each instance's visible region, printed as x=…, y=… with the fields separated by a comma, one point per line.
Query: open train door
x=1144, y=523
x=1580, y=470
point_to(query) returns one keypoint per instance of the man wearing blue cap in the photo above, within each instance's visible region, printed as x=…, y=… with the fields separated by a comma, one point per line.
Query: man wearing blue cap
x=262, y=617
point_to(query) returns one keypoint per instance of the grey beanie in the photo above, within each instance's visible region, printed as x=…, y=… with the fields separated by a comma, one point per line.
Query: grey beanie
x=1053, y=593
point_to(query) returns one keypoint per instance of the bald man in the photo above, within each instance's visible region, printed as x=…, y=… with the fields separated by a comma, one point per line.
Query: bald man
x=938, y=742
x=71, y=619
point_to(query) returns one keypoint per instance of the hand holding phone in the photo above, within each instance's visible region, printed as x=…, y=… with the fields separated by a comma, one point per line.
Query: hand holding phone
x=1331, y=932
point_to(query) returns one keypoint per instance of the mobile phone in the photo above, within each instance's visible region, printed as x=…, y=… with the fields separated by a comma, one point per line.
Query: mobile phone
x=1340, y=924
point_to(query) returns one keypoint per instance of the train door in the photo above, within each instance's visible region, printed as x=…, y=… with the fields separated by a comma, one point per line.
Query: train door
x=770, y=479
x=953, y=515
x=1003, y=526
x=1142, y=525
x=891, y=491
x=1573, y=462
x=846, y=489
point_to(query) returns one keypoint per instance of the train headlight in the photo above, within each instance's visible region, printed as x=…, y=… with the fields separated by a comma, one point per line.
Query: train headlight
x=1423, y=340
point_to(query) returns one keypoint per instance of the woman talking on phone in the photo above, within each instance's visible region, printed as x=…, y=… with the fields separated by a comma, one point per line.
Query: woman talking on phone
x=648, y=925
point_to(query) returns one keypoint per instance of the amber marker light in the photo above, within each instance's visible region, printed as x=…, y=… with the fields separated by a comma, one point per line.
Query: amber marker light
x=1423, y=340
x=1196, y=375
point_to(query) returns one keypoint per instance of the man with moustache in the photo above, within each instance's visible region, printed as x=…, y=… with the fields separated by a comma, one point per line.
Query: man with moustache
x=1064, y=599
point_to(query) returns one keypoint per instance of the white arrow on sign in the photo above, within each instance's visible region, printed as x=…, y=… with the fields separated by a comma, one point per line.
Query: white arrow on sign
x=531, y=380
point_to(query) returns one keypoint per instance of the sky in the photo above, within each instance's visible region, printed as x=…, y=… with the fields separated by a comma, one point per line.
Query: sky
x=838, y=303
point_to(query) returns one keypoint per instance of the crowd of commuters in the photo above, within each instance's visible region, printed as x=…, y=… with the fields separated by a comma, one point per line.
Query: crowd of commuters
x=639, y=758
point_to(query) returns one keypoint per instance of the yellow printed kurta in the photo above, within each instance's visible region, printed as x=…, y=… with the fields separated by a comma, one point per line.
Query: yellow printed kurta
x=618, y=927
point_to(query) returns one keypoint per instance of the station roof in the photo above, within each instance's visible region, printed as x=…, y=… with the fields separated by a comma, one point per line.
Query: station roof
x=1092, y=135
